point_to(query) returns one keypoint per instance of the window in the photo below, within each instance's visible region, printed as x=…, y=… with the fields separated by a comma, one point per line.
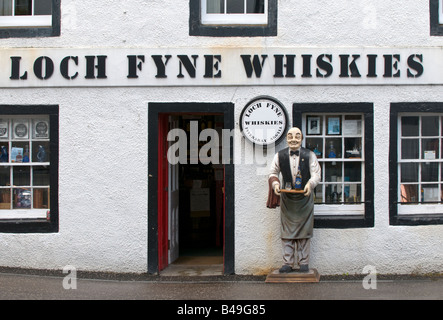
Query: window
x=233, y=18
x=29, y=168
x=436, y=17
x=234, y=12
x=416, y=163
x=29, y=18
x=342, y=141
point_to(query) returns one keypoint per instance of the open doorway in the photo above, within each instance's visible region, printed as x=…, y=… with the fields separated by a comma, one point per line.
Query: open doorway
x=199, y=222
x=192, y=206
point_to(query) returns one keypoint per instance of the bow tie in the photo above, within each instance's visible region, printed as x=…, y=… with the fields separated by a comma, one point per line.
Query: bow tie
x=296, y=152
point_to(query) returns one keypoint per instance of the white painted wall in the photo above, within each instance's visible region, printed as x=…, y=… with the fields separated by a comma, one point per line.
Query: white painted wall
x=103, y=139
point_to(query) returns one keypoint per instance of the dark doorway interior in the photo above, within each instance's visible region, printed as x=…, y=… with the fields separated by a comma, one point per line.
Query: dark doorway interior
x=201, y=197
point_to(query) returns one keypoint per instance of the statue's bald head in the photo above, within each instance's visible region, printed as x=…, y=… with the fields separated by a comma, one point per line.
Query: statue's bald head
x=294, y=137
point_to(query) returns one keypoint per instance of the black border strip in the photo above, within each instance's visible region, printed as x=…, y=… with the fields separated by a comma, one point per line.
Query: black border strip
x=436, y=29
x=154, y=109
x=34, y=225
x=342, y=222
x=394, y=218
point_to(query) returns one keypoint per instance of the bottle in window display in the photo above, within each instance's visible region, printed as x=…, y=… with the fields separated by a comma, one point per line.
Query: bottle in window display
x=332, y=153
x=335, y=195
x=26, y=154
x=4, y=154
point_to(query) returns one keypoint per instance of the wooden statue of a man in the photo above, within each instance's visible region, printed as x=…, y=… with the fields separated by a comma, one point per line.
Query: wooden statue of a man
x=297, y=209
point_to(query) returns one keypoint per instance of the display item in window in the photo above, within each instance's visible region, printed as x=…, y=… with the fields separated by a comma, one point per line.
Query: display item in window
x=41, y=154
x=4, y=154
x=26, y=154
x=332, y=153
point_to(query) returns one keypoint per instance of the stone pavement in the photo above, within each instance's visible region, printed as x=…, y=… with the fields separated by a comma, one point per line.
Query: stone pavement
x=21, y=285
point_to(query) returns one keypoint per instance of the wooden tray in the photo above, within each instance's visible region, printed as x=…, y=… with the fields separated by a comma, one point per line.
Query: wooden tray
x=292, y=191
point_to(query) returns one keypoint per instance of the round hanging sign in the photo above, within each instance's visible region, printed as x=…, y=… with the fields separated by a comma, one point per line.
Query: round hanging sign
x=263, y=121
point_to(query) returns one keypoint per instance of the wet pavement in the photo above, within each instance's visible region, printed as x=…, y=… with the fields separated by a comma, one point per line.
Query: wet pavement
x=40, y=286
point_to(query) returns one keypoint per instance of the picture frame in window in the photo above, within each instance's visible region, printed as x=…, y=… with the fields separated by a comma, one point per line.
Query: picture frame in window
x=313, y=125
x=334, y=126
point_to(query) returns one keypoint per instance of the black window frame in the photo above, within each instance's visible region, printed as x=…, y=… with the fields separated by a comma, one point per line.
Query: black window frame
x=35, y=32
x=50, y=225
x=436, y=29
x=419, y=108
x=367, y=109
x=196, y=28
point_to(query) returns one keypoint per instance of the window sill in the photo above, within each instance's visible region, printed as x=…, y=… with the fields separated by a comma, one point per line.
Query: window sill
x=26, y=22
x=340, y=210
x=18, y=214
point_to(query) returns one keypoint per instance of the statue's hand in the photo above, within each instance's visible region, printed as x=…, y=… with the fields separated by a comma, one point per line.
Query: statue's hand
x=277, y=189
x=307, y=189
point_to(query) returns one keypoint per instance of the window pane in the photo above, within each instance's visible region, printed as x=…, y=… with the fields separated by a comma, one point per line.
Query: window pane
x=255, y=6
x=21, y=176
x=352, y=125
x=333, y=193
x=20, y=152
x=23, y=7
x=5, y=198
x=430, y=149
x=40, y=151
x=409, y=149
x=315, y=145
x=22, y=198
x=429, y=171
x=41, y=198
x=409, y=193
x=353, y=147
x=215, y=6
x=352, y=193
x=235, y=6
x=409, y=172
x=430, y=193
x=5, y=176
x=333, y=125
x=40, y=176
x=409, y=126
x=5, y=7
x=333, y=148
x=333, y=171
x=429, y=126
x=4, y=156
x=318, y=195
x=42, y=7
x=353, y=171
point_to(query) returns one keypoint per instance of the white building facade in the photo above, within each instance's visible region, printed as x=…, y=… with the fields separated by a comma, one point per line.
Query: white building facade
x=91, y=90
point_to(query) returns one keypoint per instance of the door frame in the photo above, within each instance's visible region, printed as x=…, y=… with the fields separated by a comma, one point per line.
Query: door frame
x=155, y=109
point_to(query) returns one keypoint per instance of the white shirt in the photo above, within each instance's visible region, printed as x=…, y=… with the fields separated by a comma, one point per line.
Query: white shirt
x=314, y=169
